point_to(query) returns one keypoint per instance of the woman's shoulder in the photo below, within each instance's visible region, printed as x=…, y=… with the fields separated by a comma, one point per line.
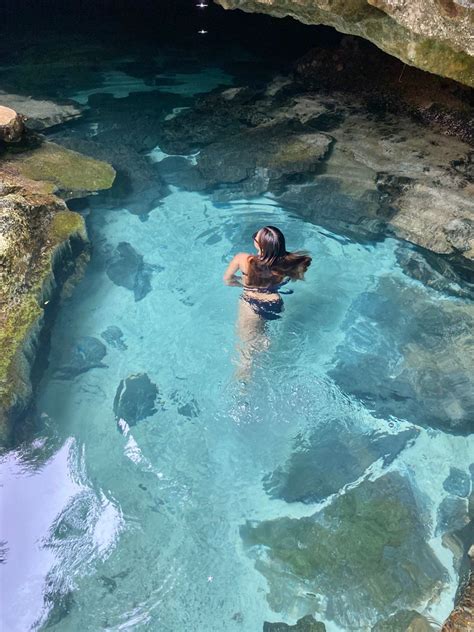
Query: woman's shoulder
x=243, y=258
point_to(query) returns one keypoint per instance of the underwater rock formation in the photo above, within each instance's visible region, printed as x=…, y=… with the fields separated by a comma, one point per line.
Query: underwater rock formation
x=135, y=398
x=334, y=456
x=418, y=367
x=43, y=245
x=365, y=553
x=85, y=354
x=305, y=624
x=127, y=269
x=406, y=620
x=327, y=157
x=433, y=35
x=462, y=617
x=113, y=336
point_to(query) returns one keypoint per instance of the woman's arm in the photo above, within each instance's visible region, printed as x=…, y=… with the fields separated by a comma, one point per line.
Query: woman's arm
x=230, y=277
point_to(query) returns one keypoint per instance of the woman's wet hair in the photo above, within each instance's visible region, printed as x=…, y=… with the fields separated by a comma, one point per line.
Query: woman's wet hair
x=274, y=262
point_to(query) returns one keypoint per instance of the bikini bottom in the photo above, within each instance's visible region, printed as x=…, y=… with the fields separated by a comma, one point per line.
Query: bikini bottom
x=268, y=310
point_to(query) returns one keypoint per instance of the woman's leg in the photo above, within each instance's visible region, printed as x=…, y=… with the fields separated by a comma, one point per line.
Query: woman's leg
x=252, y=338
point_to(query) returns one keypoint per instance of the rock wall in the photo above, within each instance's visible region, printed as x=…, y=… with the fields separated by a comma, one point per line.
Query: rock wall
x=434, y=35
x=41, y=247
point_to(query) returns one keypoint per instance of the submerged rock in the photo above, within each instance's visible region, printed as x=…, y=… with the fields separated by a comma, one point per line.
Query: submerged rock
x=178, y=171
x=458, y=482
x=452, y=515
x=366, y=554
x=305, y=624
x=113, y=336
x=135, y=398
x=330, y=459
x=127, y=269
x=404, y=621
x=404, y=358
x=87, y=353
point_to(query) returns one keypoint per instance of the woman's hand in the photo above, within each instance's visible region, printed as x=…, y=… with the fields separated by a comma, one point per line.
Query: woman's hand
x=233, y=280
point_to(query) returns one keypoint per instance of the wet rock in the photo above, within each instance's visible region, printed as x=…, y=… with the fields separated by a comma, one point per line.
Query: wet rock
x=366, y=554
x=113, y=336
x=404, y=621
x=457, y=483
x=180, y=172
x=452, y=515
x=332, y=457
x=305, y=624
x=277, y=150
x=434, y=37
x=127, y=269
x=12, y=125
x=434, y=272
x=404, y=358
x=87, y=353
x=71, y=174
x=135, y=398
x=43, y=247
x=40, y=113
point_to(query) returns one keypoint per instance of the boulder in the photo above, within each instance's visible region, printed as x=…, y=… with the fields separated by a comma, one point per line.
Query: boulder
x=336, y=454
x=126, y=268
x=71, y=174
x=458, y=482
x=305, y=624
x=113, y=336
x=404, y=621
x=11, y=125
x=85, y=354
x=366, y=554
x=403, y=358
x=135, y=398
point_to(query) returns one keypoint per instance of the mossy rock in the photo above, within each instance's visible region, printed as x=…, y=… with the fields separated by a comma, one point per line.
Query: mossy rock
x=71, y=173
x=367, y=552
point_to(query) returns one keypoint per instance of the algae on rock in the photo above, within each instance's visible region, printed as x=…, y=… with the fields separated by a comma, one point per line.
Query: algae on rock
x=366, y=553
x=40, y=246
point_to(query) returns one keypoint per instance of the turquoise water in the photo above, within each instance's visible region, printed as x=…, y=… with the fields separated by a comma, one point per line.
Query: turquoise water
x=144, y=530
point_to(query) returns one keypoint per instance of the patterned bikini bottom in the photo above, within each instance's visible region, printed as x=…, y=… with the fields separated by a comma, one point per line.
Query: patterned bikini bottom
x=268, y=310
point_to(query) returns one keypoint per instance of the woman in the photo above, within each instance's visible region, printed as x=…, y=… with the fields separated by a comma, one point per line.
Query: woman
x=262, y=277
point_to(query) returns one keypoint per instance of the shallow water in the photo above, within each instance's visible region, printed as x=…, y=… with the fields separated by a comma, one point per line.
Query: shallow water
x=143, y=530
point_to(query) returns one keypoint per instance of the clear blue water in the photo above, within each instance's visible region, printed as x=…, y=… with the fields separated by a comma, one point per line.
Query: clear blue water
x=143, y=531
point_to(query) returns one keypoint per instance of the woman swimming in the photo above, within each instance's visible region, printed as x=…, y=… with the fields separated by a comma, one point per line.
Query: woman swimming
x=263, y=275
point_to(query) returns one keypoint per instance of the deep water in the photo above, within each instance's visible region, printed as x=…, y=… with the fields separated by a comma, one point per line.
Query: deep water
x=225, y=504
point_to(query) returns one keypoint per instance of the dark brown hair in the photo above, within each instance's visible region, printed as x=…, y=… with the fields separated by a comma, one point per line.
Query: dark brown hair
x=274, y=263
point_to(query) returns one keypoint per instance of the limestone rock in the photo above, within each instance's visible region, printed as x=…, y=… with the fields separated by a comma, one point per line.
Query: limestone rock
x=334, y=456
x=135, y=398
x=40, y=113
x=87, y=353
x=401, y=357
x=305, y=624
x=404, y=621
x=43, y=249
x=113, y=336
x=365, y=553
x=70, y=173
x=458, y=482
x=126, y=268
x=11, y=125
x=434, y=36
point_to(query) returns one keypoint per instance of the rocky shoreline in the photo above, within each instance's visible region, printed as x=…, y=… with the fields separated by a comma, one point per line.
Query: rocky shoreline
x=43, y=248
